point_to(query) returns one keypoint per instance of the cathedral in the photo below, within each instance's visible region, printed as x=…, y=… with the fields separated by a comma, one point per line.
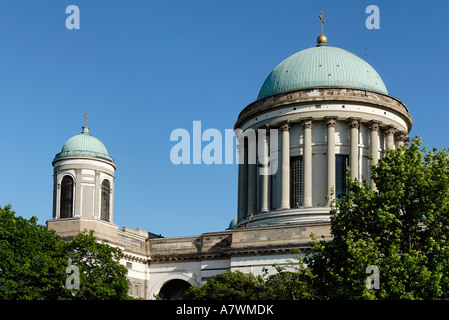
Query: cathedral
x=329, y=109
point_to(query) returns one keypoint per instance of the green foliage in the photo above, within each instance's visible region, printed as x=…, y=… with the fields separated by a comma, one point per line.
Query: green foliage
x=290, y=283
x=33, y=262
x=402, y=228
x=235, y=285
x=230, y=286
x=101, y=276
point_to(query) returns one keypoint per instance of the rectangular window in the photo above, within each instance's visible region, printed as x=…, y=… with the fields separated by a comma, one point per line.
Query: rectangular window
x=296, y=188
x=341, y=163
x=134, y=290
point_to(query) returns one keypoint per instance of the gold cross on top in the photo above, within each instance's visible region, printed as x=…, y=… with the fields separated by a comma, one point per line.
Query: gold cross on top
x=85, y=119
x=322, y=21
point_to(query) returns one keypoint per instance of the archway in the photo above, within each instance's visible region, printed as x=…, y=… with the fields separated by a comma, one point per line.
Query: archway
x=173, y=289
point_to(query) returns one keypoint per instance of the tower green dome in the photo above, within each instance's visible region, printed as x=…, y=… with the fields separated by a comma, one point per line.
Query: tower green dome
x=322, y=67
x=84, y=145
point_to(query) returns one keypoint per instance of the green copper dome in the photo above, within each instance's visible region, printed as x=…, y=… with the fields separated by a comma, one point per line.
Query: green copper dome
x=233, y=223
x=84, y=145
x=322, y=67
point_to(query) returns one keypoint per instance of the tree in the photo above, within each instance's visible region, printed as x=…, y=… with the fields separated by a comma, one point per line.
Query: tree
x=291, y=282
x=228, y=286
x=401, y=229
x=284, y=284
x=33, y=263
x=101, y=274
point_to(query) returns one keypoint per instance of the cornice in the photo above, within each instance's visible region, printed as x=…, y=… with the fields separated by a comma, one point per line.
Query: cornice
x=323, y=95
x=133, y=258
x=227, y=253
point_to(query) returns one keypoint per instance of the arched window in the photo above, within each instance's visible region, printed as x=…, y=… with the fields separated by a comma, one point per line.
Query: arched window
x=66, y=203
x=105, y=199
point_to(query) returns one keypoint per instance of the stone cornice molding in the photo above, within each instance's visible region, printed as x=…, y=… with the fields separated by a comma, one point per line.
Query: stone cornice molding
x=311, y=96
x=226, y=253
x=64, y=160
x=133, y=258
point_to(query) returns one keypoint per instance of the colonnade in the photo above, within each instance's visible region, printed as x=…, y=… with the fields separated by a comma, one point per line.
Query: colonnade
x=254, y=195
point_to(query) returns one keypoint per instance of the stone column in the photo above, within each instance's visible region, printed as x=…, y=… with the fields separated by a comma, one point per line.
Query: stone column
x=400, y=139
x=389, y=137
x=407, y=140
x=77, y=197
x=264, y=173
x=330, y=122
x=285, y=167
x=56, y=196
x=259, y=186
x=243, y=180
x=307, y=163
x=97, y=196
x=111, y=201
x=374, y=145
x=354, y=124
x=252, y=177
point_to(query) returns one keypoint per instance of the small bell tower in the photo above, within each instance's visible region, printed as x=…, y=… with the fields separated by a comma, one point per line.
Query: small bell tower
x=83, y=194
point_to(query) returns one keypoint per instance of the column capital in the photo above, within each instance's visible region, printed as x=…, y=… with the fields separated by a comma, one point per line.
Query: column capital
x=331, y=121
x=285, y=126
x=307, y=123
x=354, y=122
x=374, y=125
x=401, y=136
x=407, y=140
x=265, y=127
x=390, y=130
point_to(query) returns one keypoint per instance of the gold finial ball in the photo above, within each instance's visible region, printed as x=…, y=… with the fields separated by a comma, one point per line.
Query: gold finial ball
x=321, y=39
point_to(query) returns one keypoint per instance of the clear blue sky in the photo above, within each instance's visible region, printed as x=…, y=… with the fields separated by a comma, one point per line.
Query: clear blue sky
x=141, y=69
